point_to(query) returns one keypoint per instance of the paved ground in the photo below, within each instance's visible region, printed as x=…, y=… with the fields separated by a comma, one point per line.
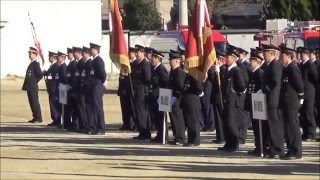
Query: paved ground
x=39, y=152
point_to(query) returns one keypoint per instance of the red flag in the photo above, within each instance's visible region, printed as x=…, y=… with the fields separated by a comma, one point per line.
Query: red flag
x=36, y=42
x=200, y=52
x=118, y=45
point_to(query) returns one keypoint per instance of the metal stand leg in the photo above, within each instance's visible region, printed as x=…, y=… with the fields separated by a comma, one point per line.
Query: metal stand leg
x=261, y=141
x=62, y=117
x=164, y=128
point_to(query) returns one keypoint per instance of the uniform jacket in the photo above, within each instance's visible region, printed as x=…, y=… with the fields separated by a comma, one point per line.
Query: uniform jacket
x=98, y=71
x=176, y=83
x=190, y=95
x=61, y=77
x=254, y=85
x=244, y=70
x=71, y=69
x=159, y=79
x=50, y=78
x=272, y=83
x=310, y=78
x=33, y=76
x=143, y=77
x=291, y=86
x=124, y=85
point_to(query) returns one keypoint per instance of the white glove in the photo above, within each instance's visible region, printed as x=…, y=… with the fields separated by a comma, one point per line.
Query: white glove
x=216, y=68
x=59, y=87
x=68, y=87
x=301, y=101
x=259, y=91
x=202, y=93
x=173, y=100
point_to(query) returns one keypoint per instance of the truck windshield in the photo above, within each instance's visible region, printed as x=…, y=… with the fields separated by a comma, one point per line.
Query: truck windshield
x=313, y=42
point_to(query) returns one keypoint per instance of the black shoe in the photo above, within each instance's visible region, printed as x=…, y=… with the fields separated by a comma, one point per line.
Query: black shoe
x=190, y=144
x=290, y=157
x=92, y=132
x=275, y=156
x=176, y=142
x=318, y=140
x=156, y=140
x=53, y=124
x=124, y=128
x=141, y=138
x=218, y=141
x=254, y=152
x=35, y=121
x=227, y=149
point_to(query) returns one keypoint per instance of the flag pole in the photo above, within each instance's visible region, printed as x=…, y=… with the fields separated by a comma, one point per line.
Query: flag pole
x=219, y=86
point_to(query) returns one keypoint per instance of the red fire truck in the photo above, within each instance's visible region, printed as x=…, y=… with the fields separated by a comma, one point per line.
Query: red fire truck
x=304, y=34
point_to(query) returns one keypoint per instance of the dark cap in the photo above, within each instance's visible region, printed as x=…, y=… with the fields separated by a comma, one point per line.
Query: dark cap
x=132, y=49
x=286, y=50
x=304, y=50
x=157, y=53
x=259, y=49
x=270, y=47
x=242, y=51
x=33, y=50
x=69, y=50
x=52, y=53
x=86, y=49
x=139, y=48
x=61, y=54
x=253, y=50
x=96, y=46
x=254, y=56
x=313, y=50
x=77, y=49
x=174, y=56
x=149, y=50
x=232, y=51
x=317, y=50
x=220, y=54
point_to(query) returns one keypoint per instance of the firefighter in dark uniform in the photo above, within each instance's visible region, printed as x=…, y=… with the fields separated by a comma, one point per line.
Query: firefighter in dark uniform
x=291, y=93
x=254, y=85
x=219, y=68
x=233, y=86
x=82, y=86
x=176, y=83
x=243, y=62
x=271, y=87
x=314, y=59
x=159, y=79
x=61, y=79
x=143, y=77
x=51, y=88
x=310, y=78
x=96, y=79
x=125, y=95
x=30, y=84
x=191, y=106
x=71, y=116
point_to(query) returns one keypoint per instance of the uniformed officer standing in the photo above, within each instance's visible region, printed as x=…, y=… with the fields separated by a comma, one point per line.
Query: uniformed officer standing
x=271, y=87
x=310, y=78
x=143, y=77
x=97, y=77
x=61, y=78
x=233, y=86
x=72, y=114
x=176, y=83
x=30, y=84
x=254, y=85
x=51, y=88
x=219, y=68
x=125, y=94
x=84, y=95
x=159, y=79
x=291, y=92
x=314, y=59
x=191, y=107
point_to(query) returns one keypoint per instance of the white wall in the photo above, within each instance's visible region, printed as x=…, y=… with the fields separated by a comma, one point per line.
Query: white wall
x=59, y=24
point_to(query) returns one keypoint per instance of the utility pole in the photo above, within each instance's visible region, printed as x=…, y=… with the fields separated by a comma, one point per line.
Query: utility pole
x=183, y=12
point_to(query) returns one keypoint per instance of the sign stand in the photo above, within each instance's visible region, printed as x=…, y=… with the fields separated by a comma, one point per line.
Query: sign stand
x=63, y=98
x=259, y=112
x=164, y=102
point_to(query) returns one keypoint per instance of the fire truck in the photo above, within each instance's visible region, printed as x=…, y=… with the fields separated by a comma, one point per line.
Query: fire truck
x=292, y=34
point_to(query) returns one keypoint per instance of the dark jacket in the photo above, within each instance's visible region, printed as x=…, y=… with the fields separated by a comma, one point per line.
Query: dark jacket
x=254, y=85
x=71, y=69
x=272, y=83
x=33, y=76
x=291, y=86
x=310, y=78
x=190, y=95
x=61, y=77
x=244, y=71
x=159, y=79
x=143, y=77
x=98, y=72
x=176, y=83
x=49, y=78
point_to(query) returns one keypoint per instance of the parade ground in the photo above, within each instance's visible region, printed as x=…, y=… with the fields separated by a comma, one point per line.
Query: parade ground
x=35, y=151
